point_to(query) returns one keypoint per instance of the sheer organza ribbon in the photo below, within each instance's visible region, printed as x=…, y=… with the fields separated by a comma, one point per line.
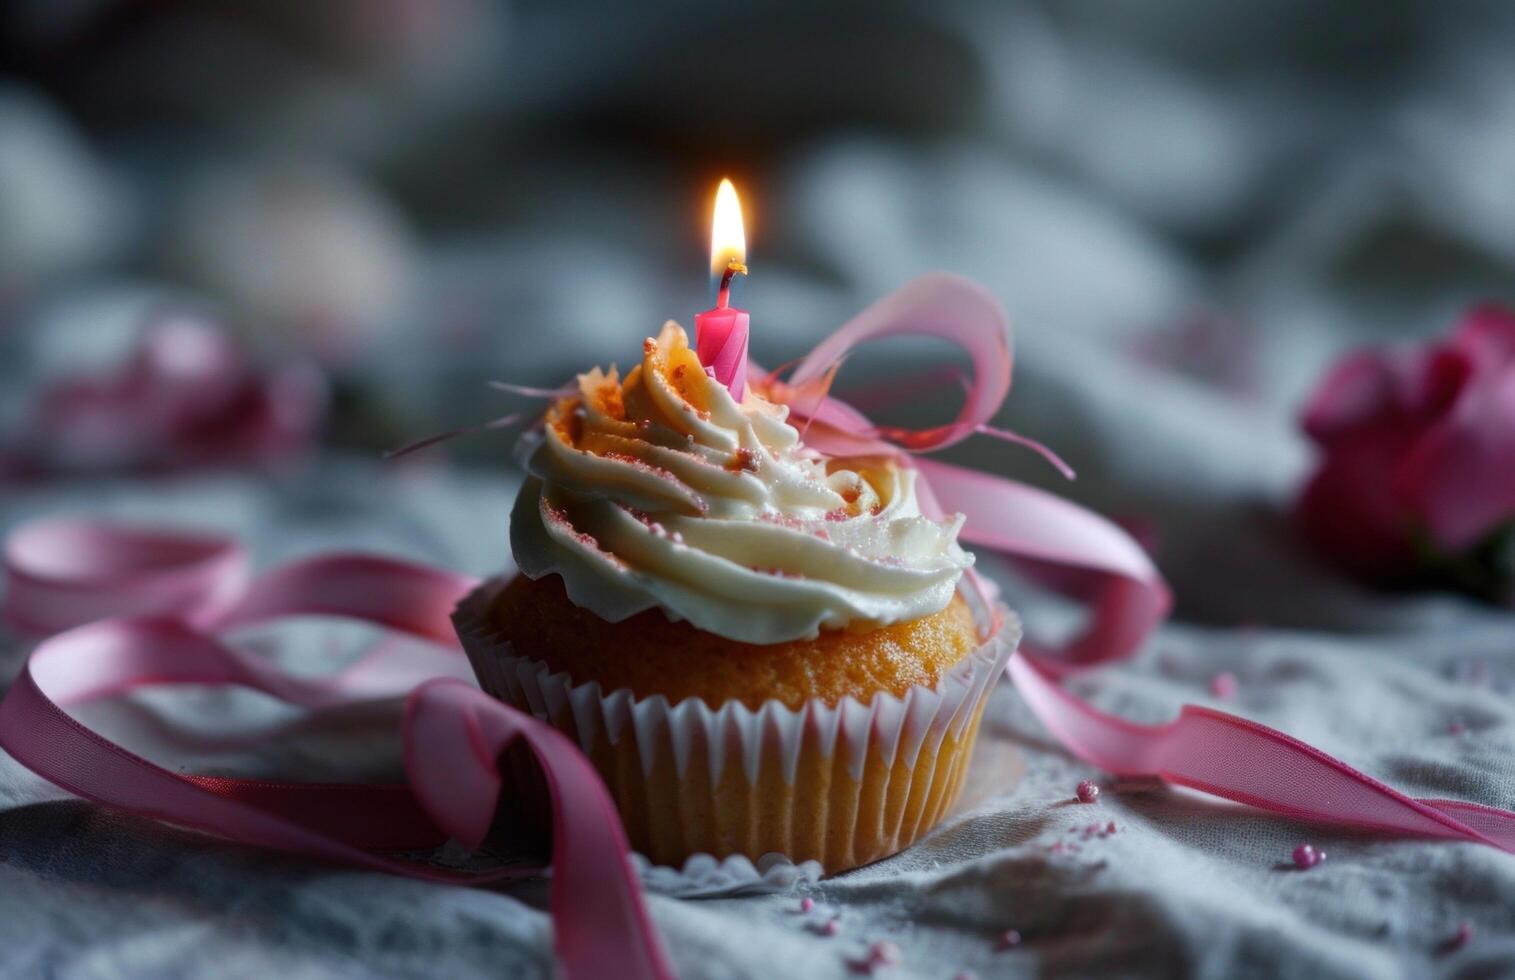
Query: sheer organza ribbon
x=138, y=608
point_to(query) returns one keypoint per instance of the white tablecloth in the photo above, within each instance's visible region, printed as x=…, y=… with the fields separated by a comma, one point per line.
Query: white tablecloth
x=1185, y=885
x=1187, y=210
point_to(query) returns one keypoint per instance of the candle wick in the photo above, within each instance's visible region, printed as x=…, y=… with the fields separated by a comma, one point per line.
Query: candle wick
x=723, y=297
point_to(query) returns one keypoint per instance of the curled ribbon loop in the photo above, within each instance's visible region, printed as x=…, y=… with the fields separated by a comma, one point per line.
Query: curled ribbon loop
x=168, y=594
x=942, y=306
x=64, y=573
x=938, y=306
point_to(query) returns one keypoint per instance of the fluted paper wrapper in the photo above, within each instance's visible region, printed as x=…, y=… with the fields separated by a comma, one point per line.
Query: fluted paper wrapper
x=843, y=785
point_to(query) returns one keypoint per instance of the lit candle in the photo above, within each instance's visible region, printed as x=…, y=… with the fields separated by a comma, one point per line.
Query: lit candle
x=721, y=333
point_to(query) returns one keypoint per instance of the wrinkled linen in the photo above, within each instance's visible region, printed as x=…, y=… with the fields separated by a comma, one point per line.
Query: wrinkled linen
x=1185, y=884
x=1186, y=223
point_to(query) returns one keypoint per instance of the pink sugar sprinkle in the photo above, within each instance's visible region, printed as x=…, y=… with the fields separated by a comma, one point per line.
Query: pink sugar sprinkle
x=640, y=464
x=1110, y=827
x=1223, y=685
x=1087, y=791
x=806, y=904
x=829, y=928
x=776, y=572
x=1456, y=728
x=782, y=520
x=1462, y=936
x=1009, y=939
x=1306, y=856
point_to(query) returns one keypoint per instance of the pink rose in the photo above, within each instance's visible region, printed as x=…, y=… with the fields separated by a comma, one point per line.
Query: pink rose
x=1417, y=472
x=187, y=397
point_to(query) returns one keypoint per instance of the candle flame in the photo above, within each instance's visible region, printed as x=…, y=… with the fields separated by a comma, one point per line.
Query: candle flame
x=728, y=238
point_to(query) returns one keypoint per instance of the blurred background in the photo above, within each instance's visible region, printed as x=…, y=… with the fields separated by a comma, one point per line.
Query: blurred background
x=275, y=239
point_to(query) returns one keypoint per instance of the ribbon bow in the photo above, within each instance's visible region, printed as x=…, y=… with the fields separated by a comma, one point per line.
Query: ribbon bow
x=141, y=608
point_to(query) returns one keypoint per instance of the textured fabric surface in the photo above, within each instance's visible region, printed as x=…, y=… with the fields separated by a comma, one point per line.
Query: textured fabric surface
x=1188, y=210
x=1185, y=884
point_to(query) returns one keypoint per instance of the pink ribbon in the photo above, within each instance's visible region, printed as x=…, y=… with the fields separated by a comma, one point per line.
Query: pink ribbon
x=168, y=596
x=1204, y=749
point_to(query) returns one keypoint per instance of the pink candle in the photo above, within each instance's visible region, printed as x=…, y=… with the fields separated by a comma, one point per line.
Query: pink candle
x=721, y=340
x=721, y=333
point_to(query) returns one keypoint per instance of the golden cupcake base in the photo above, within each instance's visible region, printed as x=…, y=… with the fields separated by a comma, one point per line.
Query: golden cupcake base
x=843, y=785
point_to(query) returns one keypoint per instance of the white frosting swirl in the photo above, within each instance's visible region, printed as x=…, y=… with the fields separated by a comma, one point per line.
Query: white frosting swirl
x=663, y=491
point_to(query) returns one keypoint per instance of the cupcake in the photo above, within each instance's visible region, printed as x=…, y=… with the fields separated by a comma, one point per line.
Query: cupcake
x=763, y=649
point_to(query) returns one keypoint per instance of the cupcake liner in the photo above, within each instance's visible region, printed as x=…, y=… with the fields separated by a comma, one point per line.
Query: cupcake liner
x=843, y=785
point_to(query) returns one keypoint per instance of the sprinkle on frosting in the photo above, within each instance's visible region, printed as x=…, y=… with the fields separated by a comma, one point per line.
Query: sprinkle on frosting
x=661, y=490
